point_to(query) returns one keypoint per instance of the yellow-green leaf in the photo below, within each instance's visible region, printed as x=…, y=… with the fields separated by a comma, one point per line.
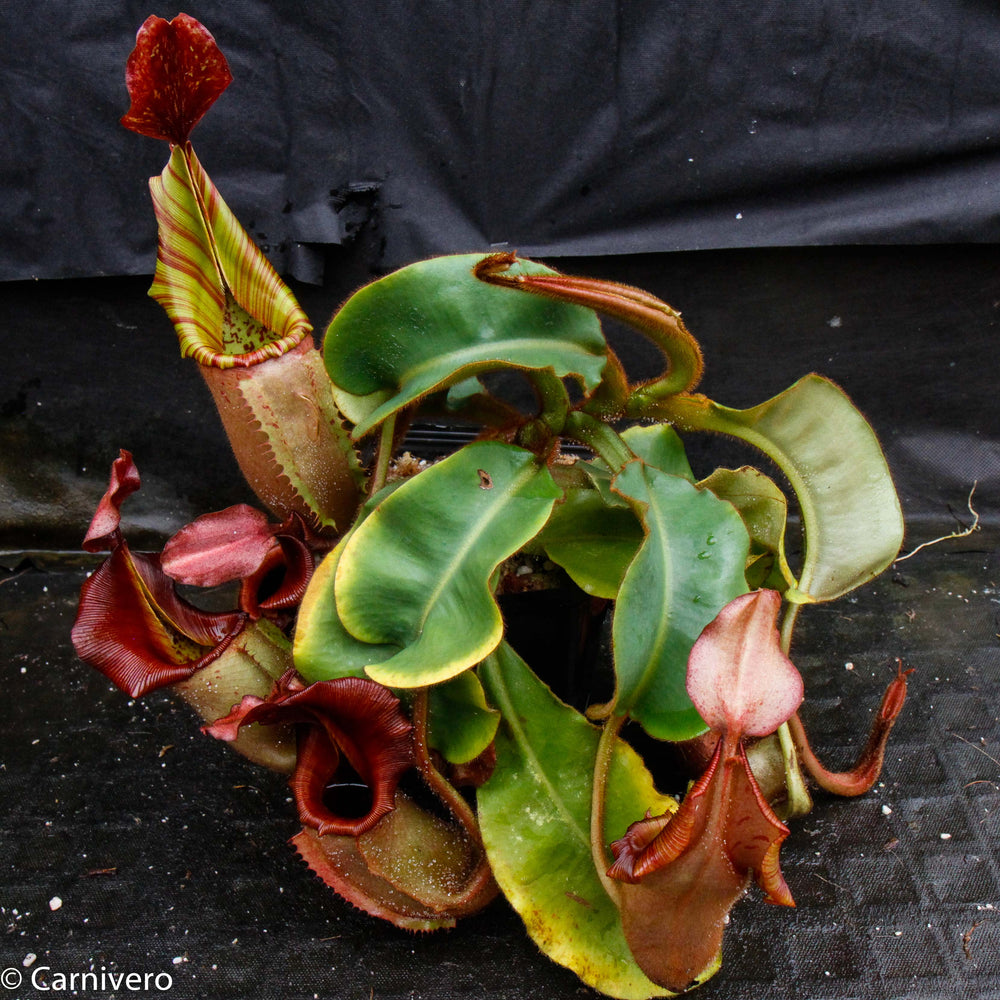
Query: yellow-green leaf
x=830, y=455
x=416, y=573
x=535, y=817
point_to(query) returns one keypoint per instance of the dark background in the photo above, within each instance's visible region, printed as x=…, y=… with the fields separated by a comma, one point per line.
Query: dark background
x=815, y=185
x=560, y=128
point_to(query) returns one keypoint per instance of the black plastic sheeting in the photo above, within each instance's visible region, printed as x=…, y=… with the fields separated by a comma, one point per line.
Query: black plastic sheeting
x=564, y=128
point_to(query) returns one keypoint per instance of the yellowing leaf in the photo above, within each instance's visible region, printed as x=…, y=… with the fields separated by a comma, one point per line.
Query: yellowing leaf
x=535, y=818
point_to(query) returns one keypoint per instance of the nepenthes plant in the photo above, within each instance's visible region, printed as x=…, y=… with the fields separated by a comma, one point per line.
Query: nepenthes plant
x=366, y=654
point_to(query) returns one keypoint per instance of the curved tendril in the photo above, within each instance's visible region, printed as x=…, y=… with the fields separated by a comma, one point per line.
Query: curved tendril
x=639, y=309
x=553, y=397
x=608, y=400
x=434, y=779
x=481, y=886
x=383, y=456
x=865, y=772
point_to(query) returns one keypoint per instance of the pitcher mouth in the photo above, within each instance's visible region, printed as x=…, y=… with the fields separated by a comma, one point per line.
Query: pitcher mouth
x=209, y=357
x=227, y=303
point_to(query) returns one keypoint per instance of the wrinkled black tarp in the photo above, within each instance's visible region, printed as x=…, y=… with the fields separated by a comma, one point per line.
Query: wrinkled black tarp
x=581, y=127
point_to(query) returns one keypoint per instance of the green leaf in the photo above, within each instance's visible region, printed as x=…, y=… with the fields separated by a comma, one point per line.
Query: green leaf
x=323, y=648
x=592, y=541
x=416, y=573
x=460, y=723
x=689, y=566
x=764, y=510
x=225, y=300
x=660, y=446
x=830, y=455
x=534, y=813
x=600, y=476
x=657, y=445
x=434, y=324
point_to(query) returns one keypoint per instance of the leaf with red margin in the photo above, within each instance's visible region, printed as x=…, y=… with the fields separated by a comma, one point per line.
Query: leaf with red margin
x=175, y=73
x=349, y=716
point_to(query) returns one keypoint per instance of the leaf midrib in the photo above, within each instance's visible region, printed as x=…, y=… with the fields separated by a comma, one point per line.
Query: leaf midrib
x=510, y=716
x=480, y=526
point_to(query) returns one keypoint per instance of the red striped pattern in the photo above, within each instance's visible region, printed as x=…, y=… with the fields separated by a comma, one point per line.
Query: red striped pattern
x=228, y=304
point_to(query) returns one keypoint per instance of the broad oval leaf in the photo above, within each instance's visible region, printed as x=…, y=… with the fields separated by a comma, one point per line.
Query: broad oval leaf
x=764, y=510
x=416, y=573
x=324, y=649
x=460, y=723
x=690, y=565
x=433, y=324
x=534, y=813
x=592, y=541
x=829, y=452
x=594, y=535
